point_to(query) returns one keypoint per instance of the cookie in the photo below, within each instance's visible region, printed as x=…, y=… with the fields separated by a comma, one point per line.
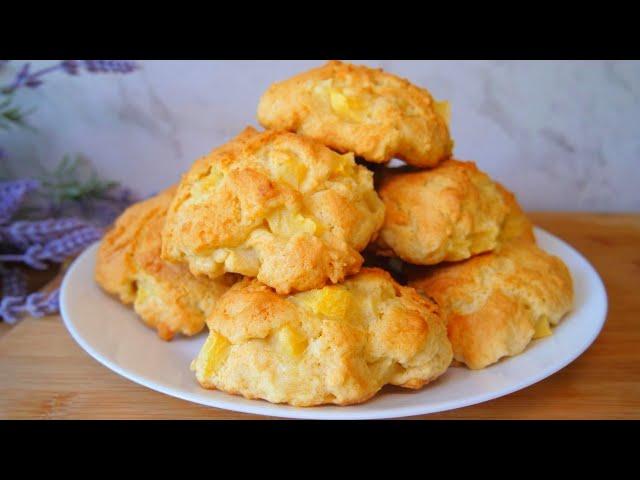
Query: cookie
x=165, y=296
x=496, y=303
x=276, y=206
x=449, y=213
x=115, y=268
x=350, y=108
x=339, y=344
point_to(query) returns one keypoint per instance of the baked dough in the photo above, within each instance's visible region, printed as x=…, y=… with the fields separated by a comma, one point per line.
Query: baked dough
x=166, y=296
x=276, y=206
x=449, y=213
x=496, y=303
x=350, y=108
x=115, y=268
x=339, y=344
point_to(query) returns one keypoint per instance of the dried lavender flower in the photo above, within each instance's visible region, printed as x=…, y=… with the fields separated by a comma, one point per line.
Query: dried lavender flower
x=70, y=66
x=26, y=78
x=57, y=250
x=41, y=236
x=12, y=195
x=73, y=67
x=38, y=304
x=21, y=77
x=23, y=233
x=110, y=66
x=14, y=283
x=10, y=308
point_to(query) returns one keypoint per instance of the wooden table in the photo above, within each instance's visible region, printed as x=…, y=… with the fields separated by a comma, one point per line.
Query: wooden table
x=45, y=374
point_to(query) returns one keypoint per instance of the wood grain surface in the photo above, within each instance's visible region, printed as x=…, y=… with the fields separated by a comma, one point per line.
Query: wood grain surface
x=45, y=374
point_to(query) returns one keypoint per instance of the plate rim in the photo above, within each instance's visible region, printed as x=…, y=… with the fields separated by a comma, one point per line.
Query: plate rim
x=264, y=408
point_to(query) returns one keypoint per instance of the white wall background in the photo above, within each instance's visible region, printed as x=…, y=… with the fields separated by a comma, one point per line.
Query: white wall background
x=564, y=135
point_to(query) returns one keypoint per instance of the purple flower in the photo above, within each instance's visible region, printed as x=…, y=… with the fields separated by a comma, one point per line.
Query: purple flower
x=23, y=233
x=38, y=304
x=32, y=82
x=110, y=66
x=70, y=66
x=10, y=308
x=12, y=194
x=57, y=250
x=26, y=78
x=22, y=76
x=14, y=283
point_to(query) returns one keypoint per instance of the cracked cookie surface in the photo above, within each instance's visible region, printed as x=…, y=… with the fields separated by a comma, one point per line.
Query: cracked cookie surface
x=350, y=108
x=449, y=213
x=496, y=303
x=167, y=297
x=339, y=344
x=276, y=206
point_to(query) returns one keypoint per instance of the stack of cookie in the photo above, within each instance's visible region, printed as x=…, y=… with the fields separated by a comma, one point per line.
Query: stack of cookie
x=264, y=241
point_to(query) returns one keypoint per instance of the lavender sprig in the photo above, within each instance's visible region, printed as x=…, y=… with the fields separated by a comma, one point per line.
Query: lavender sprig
x=38, y=304
x=72, y=67
x=41, y=236
x=57, y=250
x=14, y=283
x=26, y=78
x=12, y=195
x=23, y=233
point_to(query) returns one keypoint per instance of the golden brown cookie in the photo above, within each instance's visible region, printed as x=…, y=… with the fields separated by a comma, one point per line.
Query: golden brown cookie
x=517, y=225
x=276, y=206
x=350, y=108
x=169, y=298
x=449, y=213
x=166, y=296
x=339, y=344
x=496, y=303
x=115, y=267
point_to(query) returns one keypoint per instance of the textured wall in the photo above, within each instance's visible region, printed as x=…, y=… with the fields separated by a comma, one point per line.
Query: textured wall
x=562, y=135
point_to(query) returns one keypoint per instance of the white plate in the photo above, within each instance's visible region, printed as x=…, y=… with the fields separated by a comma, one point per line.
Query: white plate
x=112, y=334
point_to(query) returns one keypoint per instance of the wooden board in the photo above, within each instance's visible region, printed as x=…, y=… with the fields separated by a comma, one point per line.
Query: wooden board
x=4, y=328
x=44, y=374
